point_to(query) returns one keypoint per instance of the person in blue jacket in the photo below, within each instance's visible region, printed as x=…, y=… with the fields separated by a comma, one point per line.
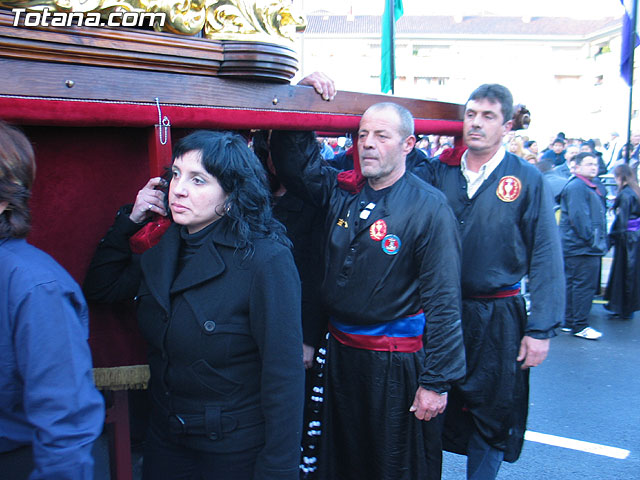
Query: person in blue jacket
x=48, y=400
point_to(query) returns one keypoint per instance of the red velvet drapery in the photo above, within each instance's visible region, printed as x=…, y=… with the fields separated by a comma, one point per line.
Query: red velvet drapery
x=37, y=111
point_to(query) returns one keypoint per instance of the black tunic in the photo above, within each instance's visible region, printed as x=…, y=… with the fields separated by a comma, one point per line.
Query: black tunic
x=304, y=224
x=508, y=230
x=368, y=431
x=623, y=288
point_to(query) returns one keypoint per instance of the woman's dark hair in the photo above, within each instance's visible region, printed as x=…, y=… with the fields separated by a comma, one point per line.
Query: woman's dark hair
x=226, y=156
x=17, y=171
x=261, y=149
x=626, y=176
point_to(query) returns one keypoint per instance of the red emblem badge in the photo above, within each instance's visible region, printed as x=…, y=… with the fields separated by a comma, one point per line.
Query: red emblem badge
x=378, y=230
x=509, y=188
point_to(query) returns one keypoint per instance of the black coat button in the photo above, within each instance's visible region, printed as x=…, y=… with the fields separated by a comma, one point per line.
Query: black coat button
x=209, y=325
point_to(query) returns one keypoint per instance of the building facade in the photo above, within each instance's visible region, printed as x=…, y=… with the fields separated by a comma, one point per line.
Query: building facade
x=565, y=70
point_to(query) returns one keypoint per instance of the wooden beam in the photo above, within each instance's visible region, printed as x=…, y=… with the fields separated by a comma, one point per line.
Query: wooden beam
x=92, y=83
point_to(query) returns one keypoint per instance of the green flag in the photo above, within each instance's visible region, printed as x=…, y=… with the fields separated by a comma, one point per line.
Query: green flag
x=392, y=12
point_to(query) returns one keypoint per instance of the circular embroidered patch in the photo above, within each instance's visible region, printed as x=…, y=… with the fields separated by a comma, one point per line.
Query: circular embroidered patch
x=391, y=244
x=509, y=188
x=378, y=230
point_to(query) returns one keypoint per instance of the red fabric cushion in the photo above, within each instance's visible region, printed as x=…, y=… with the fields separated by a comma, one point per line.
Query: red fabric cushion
x=452, y=156
x=33, y=111
x=149, y=235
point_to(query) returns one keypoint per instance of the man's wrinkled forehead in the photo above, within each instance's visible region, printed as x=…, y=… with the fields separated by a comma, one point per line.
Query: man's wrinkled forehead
x=379, y=119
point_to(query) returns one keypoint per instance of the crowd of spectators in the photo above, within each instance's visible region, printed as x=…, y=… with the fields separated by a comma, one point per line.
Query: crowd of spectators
x=561, y=162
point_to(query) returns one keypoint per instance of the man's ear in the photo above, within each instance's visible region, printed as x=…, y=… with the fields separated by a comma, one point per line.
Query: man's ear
x=508, y=126
x=409, y=143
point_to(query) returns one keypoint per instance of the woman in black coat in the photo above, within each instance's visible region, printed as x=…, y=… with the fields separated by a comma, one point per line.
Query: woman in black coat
x=218, y=302
x=623, y=288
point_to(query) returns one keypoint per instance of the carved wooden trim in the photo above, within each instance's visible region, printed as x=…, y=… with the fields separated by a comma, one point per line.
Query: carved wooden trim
x=146, y=50
x=241, y=60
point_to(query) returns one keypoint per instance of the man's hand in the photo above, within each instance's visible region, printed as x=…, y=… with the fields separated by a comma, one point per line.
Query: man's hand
x=307, y=355
x=428, y=404
x=533, y=351
x=322, y=84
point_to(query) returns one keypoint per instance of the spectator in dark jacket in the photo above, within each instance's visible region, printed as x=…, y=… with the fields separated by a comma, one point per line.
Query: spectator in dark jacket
x=565, y=169
x=556, y=153
x=590, y=147
x=556, y=182
x=584, y=240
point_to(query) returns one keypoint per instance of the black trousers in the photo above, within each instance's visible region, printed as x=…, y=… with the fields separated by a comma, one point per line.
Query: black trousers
x=17, y=464
x=581, y=274
x=167, y=460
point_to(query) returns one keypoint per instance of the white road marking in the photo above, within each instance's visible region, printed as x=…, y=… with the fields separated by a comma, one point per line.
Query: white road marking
x=588, y=447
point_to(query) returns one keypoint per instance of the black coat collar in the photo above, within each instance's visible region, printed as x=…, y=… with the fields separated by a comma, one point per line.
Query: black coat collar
x=159, y=264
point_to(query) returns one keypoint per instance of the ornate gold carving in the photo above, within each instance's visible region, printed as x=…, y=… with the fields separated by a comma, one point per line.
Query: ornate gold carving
x=271, y=21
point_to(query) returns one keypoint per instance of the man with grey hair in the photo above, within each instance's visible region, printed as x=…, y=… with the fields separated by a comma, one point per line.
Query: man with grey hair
x=507, y=228
x=391, y=288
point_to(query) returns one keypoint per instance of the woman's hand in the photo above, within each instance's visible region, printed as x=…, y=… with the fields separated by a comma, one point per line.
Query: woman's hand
x=149, y=200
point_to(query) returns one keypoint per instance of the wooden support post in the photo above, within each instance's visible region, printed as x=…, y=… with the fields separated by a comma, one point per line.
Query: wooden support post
x=116, y=383
x=117, y=423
